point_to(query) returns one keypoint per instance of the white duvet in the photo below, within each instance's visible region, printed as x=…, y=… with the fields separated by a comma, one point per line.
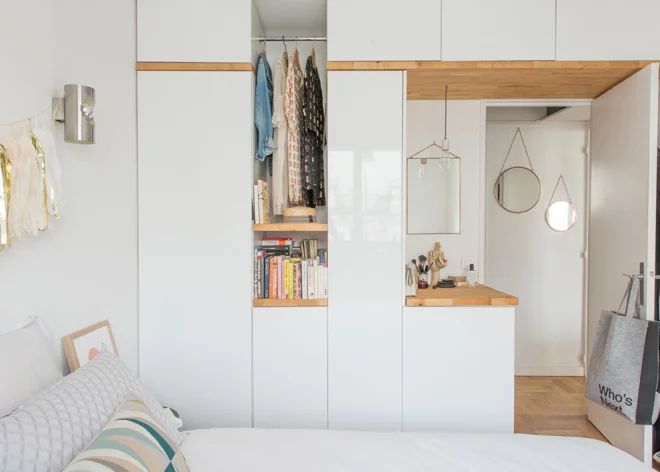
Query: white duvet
x=260, y=450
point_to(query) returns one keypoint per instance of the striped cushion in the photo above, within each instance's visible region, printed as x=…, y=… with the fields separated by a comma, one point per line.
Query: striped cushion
x=133, y=441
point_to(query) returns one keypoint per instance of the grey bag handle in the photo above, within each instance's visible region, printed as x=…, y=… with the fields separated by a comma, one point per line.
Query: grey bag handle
x=631, y=298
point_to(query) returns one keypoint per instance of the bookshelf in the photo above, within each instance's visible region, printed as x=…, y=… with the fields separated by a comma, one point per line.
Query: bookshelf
x=290, y=227
x=268, y=302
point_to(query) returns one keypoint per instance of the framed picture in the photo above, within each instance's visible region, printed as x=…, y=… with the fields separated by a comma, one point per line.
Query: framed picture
x=82, y=346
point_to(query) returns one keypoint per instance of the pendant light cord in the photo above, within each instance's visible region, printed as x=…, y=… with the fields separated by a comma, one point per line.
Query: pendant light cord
x=446, y=87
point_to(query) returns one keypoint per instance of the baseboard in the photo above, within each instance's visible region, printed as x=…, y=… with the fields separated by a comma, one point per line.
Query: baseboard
x=550, y=371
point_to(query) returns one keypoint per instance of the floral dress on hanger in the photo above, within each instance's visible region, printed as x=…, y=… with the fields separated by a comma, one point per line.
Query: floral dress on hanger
x=293, y=102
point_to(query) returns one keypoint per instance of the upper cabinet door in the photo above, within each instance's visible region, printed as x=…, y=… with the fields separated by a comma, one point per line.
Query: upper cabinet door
x=608, y=30
x=194, y=30
x=377, y=30
x=474, y=30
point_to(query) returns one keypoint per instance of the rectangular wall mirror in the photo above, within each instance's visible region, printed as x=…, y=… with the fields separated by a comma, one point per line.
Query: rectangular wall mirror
x=434, y=195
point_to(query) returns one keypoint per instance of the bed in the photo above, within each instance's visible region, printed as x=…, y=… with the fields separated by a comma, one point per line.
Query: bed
x=251, y=450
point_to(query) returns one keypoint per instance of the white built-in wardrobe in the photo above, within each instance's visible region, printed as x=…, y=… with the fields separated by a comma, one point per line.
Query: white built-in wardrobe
x=204, y=349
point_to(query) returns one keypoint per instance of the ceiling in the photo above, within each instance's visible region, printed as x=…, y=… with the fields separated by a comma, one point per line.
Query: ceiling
x=292, y=17
x=517, y=80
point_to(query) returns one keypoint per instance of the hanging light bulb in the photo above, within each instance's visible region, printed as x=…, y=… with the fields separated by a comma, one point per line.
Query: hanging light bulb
x=422, y=169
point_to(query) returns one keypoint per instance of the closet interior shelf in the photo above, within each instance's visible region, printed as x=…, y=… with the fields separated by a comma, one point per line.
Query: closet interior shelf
x=286, y=302
x=291, y=227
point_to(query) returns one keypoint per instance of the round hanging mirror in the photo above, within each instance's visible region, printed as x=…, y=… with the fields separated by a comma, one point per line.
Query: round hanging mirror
x=517, y=189
x=561, y=216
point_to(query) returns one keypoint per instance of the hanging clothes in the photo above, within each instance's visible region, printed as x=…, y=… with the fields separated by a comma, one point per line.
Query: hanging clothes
x=293, y=104
x=263, y=104
x=280, y=182
x=313, y=126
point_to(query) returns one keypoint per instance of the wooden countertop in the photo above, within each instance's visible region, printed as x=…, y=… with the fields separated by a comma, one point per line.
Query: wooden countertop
x=461, y=296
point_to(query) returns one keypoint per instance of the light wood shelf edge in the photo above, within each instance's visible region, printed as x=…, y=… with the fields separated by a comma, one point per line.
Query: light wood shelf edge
x=276, y=302
x=292, y=227
x=483, y=65
x=193, y=66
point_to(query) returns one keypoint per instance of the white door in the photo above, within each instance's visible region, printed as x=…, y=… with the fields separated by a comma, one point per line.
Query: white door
x=624, y=128
x=195, y=240
x=290, y=365
x=365, y=280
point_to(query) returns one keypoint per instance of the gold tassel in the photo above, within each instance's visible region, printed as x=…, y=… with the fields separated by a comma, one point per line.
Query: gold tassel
x=49, y=200
x=5, y=197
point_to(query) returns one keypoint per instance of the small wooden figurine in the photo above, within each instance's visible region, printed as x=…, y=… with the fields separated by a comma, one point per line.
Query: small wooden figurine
x=438, y=261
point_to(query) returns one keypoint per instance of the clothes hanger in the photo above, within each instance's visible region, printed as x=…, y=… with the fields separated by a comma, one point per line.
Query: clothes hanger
x=284, y=43
x=313, y=55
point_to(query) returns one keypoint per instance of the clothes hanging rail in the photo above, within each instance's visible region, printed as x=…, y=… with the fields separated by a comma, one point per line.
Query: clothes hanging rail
x=290, y=39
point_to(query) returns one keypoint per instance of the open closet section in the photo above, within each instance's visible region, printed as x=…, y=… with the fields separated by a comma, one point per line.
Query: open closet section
x=290, y=222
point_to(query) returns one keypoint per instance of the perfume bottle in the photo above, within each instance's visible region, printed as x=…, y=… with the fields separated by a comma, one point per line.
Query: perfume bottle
x=471, y=276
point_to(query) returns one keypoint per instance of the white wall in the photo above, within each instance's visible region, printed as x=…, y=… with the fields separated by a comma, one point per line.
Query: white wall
x=85, y=268
x=425, y=123
x=526, y=258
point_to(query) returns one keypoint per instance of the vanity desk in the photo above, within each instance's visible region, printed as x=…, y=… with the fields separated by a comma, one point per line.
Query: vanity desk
x=458, y=360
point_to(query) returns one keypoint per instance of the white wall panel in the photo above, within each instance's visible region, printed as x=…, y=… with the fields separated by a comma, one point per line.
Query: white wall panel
x=458, y=369
x=365, y=276
x=475, y=30
x=290, y=368
x=608, y=30
x=370, y=30
x=194, y=243
x=194, y=30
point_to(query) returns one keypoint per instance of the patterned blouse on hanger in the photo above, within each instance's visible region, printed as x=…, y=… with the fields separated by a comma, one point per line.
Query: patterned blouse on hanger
x=293, y=103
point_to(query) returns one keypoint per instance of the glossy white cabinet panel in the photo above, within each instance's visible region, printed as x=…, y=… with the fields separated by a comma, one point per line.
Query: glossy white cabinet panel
x=608, y=30
x=458, y=369
x=290, y=367
x=384, y=30
x=194, y=168
x=474, y=30
x=194, y=30
x=365, y=113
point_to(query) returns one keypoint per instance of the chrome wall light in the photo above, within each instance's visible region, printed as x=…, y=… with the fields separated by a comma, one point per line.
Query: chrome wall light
x=76, y=111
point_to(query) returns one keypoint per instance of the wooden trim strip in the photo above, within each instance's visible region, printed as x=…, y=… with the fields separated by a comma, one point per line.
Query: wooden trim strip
x=194, y=66
x=481, y=65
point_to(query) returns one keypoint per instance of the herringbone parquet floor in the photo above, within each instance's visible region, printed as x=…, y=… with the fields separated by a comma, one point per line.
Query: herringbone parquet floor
x=553, y=406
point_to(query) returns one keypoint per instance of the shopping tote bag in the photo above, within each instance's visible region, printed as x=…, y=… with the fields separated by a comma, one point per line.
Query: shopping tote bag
x=623, y=369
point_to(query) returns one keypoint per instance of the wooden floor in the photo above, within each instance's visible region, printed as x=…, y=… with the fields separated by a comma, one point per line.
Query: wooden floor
x=553, y=406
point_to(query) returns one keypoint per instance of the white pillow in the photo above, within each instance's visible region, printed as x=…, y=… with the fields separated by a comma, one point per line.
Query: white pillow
x=28, y=366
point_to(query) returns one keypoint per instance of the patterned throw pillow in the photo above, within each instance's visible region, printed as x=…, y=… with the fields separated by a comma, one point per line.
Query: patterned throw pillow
x=47, y=432
x=133, y=441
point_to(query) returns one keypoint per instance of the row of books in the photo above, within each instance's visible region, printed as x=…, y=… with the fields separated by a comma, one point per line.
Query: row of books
x=281, y=271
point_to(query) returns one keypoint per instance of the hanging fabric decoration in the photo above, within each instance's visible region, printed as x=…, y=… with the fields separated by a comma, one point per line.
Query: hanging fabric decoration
x=30, y=178
x=560, y=215
x=5, y=191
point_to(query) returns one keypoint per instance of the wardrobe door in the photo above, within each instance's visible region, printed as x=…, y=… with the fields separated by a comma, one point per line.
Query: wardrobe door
x=290, y=367
x=374, y=30
x=194, y=170
x=364, y=243
x=487, y=30
x=608, y=30
x=194, y=30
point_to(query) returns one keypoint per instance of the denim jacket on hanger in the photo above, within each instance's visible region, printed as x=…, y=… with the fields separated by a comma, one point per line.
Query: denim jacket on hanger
x=263, y=104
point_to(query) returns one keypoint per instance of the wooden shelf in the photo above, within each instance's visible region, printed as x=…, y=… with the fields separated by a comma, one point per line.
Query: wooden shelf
x=461, y=296
x=291, y=227
x=275, y=302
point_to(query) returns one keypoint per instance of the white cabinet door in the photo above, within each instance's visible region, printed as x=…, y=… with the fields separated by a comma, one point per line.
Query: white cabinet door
x=474, y=30
x=384, y=30
x=194, y=30
x=364, y=242
x=608, y=30
x=458, y=369
x=290, y=368
x=194, y=167
x=624, y=139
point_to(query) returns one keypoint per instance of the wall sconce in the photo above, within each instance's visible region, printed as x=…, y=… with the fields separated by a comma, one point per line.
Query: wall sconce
x=76, y=111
